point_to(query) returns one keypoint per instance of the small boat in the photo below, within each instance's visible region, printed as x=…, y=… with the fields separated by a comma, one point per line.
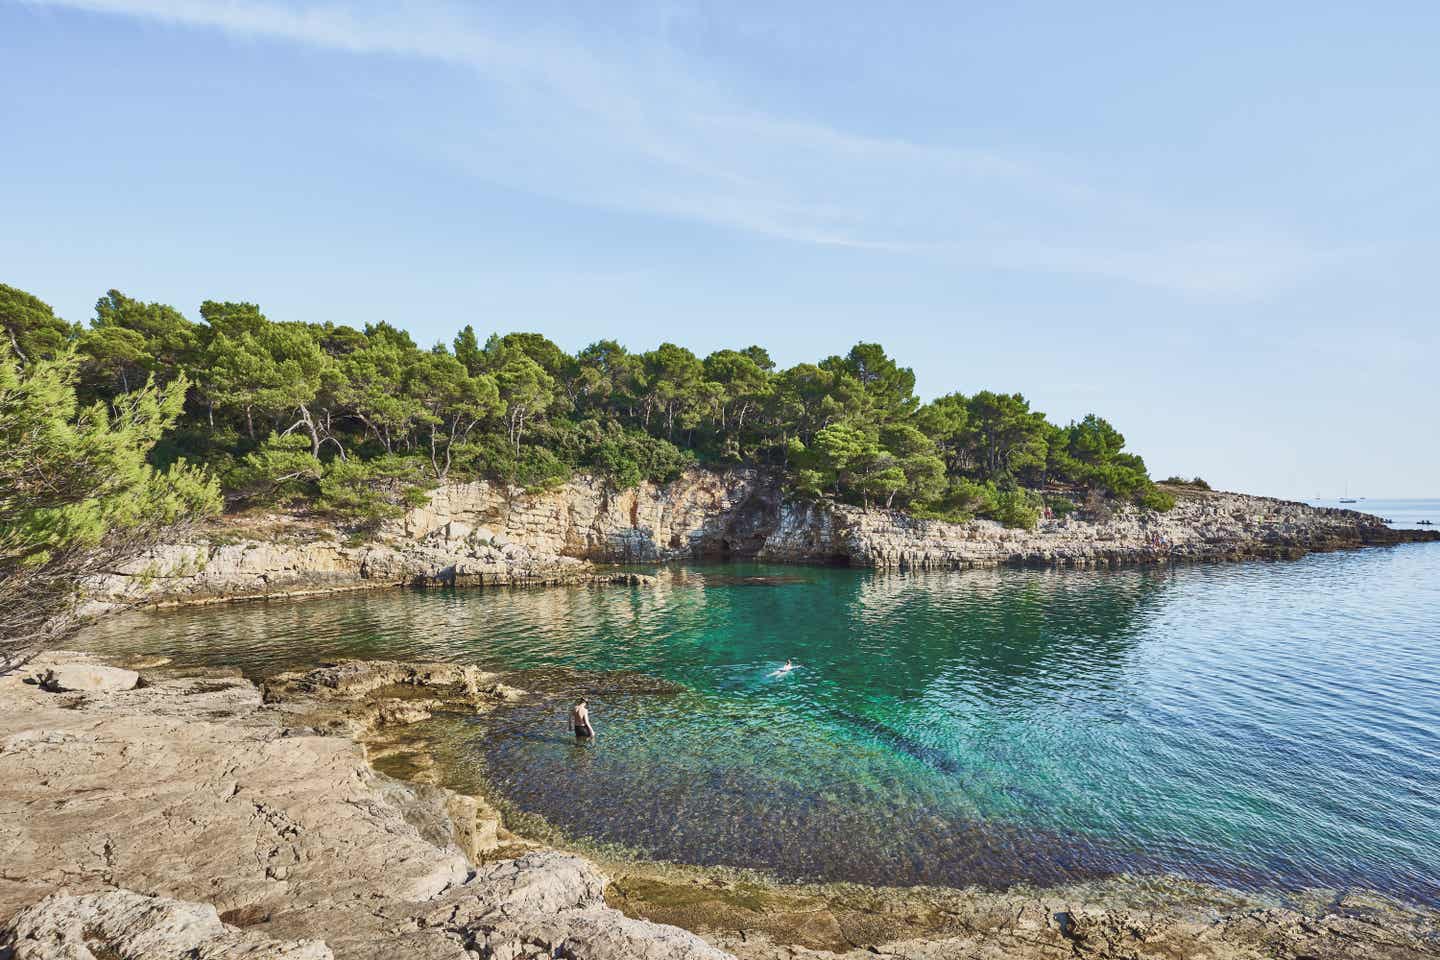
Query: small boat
x=1348, y=500
x=1425, y=523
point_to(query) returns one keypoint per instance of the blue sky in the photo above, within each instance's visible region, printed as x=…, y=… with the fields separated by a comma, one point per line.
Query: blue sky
x=1215, y=227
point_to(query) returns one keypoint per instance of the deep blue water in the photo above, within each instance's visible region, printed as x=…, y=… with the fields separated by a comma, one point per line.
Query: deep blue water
x=1267, y=725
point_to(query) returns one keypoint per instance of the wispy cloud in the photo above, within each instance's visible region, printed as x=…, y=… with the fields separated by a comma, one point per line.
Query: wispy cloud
x=630, y=125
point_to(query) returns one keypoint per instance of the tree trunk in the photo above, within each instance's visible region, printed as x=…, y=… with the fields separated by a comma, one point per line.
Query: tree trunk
x=16, y=344
x=309, y=423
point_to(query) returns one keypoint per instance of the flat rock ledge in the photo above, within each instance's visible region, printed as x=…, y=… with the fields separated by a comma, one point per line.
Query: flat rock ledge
x=190, y=818
x=205, y=818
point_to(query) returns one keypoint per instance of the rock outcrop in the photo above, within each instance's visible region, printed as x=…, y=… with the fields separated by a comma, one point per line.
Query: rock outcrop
x=119, y=923
x=188, y=817
x=484, y=534
x=1202, y=527
x=72, y=677
x=1121, y=918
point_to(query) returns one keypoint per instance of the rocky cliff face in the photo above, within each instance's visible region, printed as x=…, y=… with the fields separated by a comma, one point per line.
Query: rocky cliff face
x=701, y=514
x=468, y=534
x=484, y=533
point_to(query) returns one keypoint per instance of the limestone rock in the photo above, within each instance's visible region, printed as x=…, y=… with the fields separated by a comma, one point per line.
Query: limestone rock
x=561, y=899
x=75, y=677
x=480, y=533
x=196, y=790
x=123, y=925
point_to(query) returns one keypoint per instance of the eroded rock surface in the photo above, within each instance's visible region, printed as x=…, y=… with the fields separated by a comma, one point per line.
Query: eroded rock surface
x=119, y=923
x=195, y=790
x=1124, y=918
x=73, y=677
x=486, y=534
x=1203, y=526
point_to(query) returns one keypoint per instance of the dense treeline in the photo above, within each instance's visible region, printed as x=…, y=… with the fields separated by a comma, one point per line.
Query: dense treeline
x=361, y=421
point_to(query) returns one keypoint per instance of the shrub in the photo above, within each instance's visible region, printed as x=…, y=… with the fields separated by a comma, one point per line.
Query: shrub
x=1060, y=506
x=534, y=468
x=962, y=501
x=966, y=499
x=281, y=470
x=1156, y=499
x=1017, y=508
x=626, y=458
x=367, y=492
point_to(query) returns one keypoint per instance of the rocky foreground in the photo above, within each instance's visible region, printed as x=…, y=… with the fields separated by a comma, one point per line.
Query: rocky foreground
x=155, y=816
x=189, y=818
x=483, y=534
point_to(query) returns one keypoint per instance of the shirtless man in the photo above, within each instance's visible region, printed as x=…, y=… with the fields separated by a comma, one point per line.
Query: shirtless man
x=580, y=721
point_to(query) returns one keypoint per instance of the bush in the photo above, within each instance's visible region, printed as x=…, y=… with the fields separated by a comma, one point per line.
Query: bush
x=1156, y=499
x=538, y=469
x=367, y=492
x=1060, y=506
x=962, y=501
x=966, y=499
x=281, y=470
x=1017, y=508
x=534, y=468
x=626, y=458
x=1197, y=482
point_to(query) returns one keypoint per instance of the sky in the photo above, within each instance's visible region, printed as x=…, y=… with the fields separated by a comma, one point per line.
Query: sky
x=1216, y=227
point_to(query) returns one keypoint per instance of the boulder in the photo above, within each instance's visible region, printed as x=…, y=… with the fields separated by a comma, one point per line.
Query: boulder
x=69, y=677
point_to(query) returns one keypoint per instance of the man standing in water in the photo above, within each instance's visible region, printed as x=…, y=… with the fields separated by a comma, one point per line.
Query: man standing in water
x=580, y=721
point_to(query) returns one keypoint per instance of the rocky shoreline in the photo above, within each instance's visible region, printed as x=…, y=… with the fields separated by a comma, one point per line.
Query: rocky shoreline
x=482, y=534
x=146, y=814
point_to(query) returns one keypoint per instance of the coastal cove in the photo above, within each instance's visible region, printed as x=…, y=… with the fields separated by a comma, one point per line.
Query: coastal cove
x=1260, y=726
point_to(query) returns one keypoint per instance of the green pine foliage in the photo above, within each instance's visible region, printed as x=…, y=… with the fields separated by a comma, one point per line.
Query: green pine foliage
x=354, y=422
x=78, y=491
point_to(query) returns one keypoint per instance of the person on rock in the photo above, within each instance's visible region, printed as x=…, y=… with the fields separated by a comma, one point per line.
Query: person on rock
x=580, y=721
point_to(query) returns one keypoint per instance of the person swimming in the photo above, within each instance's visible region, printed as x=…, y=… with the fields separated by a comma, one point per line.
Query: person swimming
x=789, y=665
x=580, y=721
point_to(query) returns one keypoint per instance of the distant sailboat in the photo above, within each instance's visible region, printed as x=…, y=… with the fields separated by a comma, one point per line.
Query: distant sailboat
x=1347, y=498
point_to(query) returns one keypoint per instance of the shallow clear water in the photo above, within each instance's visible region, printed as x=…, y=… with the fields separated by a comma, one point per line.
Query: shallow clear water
x=1267, y=725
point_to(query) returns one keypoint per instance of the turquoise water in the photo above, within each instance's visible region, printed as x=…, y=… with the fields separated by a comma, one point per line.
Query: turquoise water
x=1265, y=725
